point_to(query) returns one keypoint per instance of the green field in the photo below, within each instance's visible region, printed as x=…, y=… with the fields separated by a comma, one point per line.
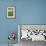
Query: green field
x=10, y=13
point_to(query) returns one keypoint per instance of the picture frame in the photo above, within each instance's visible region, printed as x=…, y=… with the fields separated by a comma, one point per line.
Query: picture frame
x=11, y=12
x=40, y=28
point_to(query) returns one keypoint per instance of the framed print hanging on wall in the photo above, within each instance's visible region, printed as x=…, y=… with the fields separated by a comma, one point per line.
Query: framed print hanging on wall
x=11, y=12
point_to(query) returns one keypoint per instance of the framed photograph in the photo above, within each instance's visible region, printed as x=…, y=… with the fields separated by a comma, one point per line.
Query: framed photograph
x=33, y=32
x=11, y=12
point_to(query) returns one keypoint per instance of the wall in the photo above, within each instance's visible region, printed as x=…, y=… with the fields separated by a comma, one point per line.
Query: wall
x=31, y=11
x=27, y=12
x=6, y=25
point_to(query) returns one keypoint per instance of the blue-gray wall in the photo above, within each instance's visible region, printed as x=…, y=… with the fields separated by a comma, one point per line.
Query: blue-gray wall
x=31, y=11
x=27, y=12
x=6, y=25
